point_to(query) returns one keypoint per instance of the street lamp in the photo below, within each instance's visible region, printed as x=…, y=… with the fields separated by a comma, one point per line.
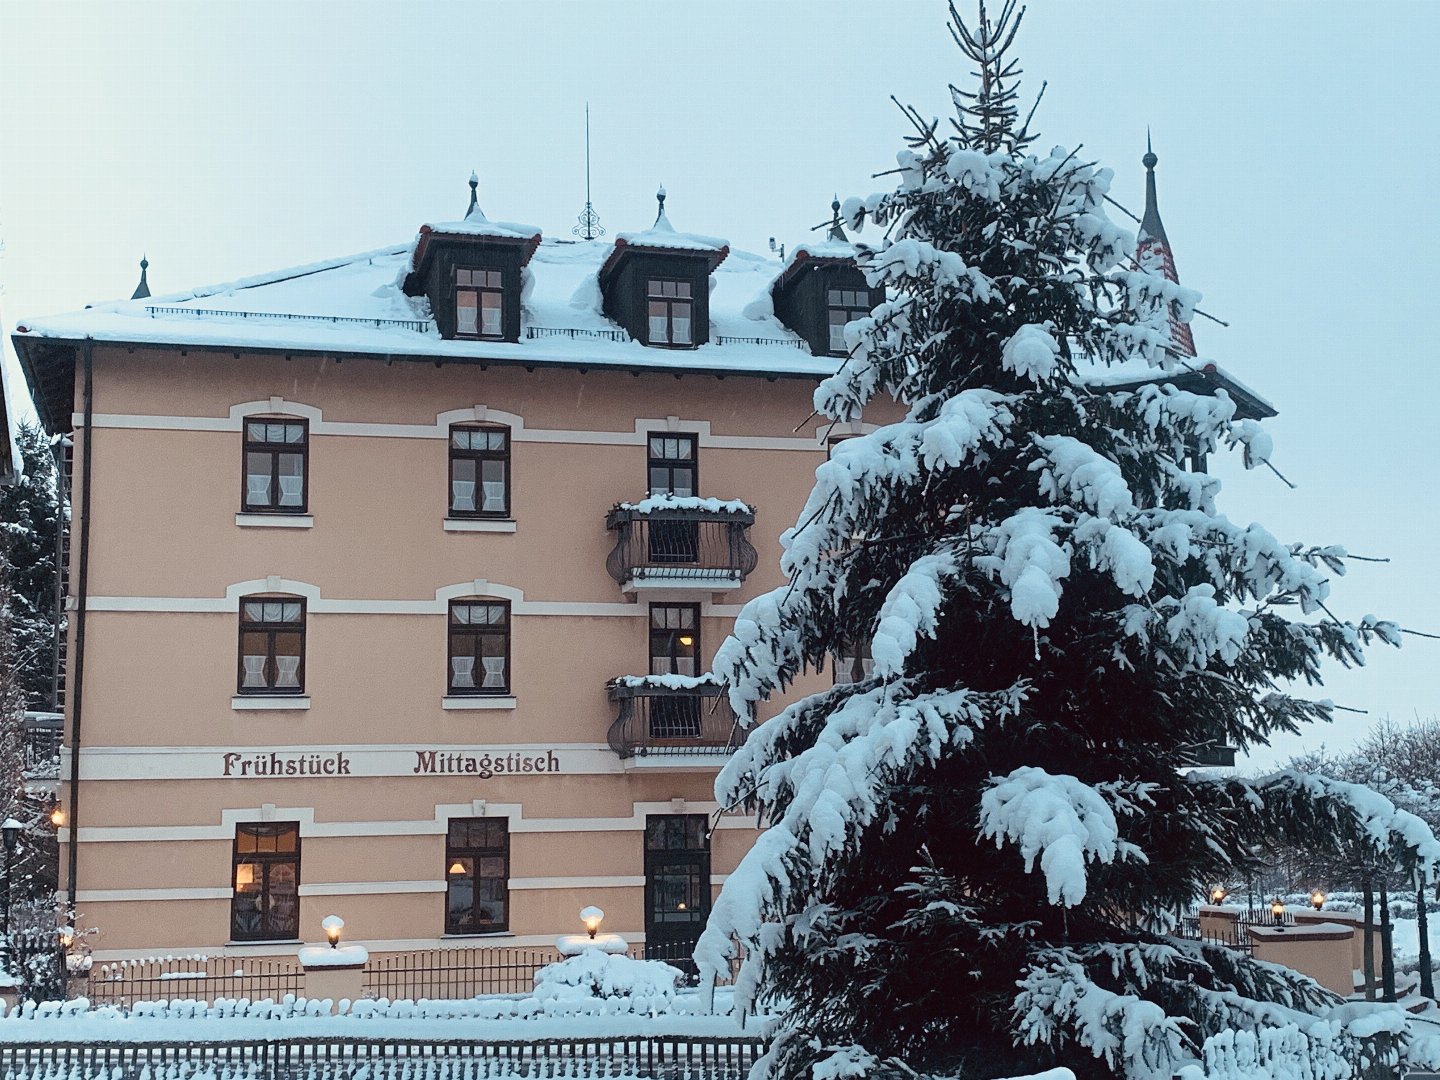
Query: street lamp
x=1277, y=912
x=1218, y=894
x=11, y=831
x=1317, y=899
x=332, y=925
x=591, y=917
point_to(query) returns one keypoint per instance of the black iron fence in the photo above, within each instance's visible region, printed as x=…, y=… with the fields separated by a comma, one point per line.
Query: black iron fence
x=657, y=719
x=783, y=343
x=456, y=974
x=654, y=1057
x=124, y=982
x=421, y=325
x=680, y=545
x=574, y=332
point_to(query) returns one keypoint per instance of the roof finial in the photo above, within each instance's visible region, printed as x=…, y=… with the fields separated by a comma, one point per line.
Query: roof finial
x=474, y=197
x=142, y=291
x=1149, y=160
x=588, y=227
x=660, y=198
x=836, y=233
x=1152, y=250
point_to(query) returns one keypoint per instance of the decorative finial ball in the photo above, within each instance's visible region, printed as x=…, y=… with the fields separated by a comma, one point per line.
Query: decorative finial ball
x=660, y=194
x=835, y=206
x=1149, y=160
x=474, y=179
x=144, y=263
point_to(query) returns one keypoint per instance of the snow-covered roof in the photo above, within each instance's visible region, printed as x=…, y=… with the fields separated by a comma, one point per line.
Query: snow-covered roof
x=355, y=305
x=819, y=253
x=1185, y=373
x=663, y=235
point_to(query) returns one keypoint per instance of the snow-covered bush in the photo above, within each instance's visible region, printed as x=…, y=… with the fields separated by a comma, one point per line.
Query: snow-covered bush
x=645, y=987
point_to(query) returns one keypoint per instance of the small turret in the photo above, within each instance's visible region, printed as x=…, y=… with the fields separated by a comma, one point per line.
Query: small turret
x=143, y=289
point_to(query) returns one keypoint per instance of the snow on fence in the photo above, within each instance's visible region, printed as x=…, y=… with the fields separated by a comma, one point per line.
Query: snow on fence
x=122, y=983
x=659, y=1057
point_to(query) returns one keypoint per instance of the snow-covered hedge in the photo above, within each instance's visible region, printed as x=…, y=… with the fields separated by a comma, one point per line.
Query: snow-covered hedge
x=642, y=987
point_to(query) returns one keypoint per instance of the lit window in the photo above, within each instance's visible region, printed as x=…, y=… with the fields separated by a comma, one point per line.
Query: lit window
x=479, y=647
x=844, y=306
x=477, y=876
x=265, y=877
x=479, y=303
x=479, y=471
x=674, y=650
x=272, y=645
x=275, y=466
x=670, y=310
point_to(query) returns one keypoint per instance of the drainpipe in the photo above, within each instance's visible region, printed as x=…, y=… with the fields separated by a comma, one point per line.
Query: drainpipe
x=76, y=685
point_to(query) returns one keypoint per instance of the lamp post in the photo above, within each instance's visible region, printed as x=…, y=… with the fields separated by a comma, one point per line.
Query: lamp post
x=332, y=925
x=11, y=831
x=1277, y=912
x=1317, y=899
x=1218, y=894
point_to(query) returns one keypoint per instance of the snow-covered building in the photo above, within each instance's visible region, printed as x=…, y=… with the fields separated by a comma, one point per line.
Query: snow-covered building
x=397, y=578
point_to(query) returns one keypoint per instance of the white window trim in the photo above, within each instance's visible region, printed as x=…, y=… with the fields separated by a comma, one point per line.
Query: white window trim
x=270, y=703
x=480, y=525
x=275, y=521
x=478, y=703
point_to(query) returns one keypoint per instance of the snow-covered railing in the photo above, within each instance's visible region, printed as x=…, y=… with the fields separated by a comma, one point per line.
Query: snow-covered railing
x=701, y=1057
x=575, y=332
x=672, y=714
x=784, y=343
x=44, y=734
x=420, y=325
x=681, y=541
x=124, y=982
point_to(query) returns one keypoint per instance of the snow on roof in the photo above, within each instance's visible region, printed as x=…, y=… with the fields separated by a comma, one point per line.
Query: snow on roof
x=477, y=224
x=1135, y=372
x=663, y=235
x=355, y=305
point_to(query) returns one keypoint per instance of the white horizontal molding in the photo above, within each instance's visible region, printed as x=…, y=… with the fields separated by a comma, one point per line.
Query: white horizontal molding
x=275, y=521
x=102, y=896
x=440, y=429
x=224, y=831
x=369, y=888
x=526, y=883
x=439, y=604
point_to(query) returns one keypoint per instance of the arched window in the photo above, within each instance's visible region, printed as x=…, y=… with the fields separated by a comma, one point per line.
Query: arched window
x=272, y=645
x=479, y=470
x=276, y=465
x=479, y=651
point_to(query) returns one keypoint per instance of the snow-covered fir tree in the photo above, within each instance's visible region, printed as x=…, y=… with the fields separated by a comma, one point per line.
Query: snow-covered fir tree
x=973, y=855
x=30, y=514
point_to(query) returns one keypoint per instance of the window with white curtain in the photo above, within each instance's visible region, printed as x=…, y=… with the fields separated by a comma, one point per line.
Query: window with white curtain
x=479, y=471
x=479, y=659
x=277, y=451
x=272, y=645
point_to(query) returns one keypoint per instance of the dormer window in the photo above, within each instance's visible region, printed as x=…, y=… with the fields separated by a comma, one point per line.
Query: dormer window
x=670, y=312
x=844, y=306
x=479, y=303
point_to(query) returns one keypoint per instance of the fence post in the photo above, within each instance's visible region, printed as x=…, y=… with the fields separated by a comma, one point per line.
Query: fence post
x=336, y=974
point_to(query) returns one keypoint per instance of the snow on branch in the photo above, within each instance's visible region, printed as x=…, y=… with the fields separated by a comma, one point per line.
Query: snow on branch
x=1074, y=472
x=909, y=612
x=1029, y=561
x=1318, y=811
x=1063, y=821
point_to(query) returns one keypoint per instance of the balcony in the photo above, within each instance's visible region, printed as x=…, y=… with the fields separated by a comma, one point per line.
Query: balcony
x=672, y=716
x=44, y=735
x=681, y=543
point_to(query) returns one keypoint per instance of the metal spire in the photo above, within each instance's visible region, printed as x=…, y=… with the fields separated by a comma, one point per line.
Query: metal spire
x=588, y=227
x=660, y=198
x=143, y=289
x=836, y=233
x=1150, y=226
x=1152, y=250
x=474, y=197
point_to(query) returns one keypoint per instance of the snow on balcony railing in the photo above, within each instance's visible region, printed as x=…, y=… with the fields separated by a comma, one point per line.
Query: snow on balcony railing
x=420, y=325
x=672, y=715
x=702, y=543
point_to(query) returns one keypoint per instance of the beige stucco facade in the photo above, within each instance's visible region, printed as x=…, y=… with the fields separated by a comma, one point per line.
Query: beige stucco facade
x=172, y=758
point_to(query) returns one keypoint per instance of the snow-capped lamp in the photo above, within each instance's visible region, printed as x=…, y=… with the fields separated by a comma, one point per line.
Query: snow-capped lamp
x=1218, y=894
x=1317, y=899
x=66, y=934
x=592, y=917
x=57, y=816
x=332, y=925
x=1277, y=912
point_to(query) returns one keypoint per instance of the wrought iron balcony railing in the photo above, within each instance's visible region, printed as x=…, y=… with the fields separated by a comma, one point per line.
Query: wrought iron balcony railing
x=668, y=542
x=44, y=735
x=672, y=715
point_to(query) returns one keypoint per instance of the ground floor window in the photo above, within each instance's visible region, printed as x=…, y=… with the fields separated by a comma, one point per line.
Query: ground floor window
x=266, y=879
x=477, y=876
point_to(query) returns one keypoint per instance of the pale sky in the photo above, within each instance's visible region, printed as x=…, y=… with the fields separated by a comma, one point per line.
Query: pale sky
x=1297, y=147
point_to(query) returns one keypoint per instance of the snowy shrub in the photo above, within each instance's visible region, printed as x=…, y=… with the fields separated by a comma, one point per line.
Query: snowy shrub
x=646, y=987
